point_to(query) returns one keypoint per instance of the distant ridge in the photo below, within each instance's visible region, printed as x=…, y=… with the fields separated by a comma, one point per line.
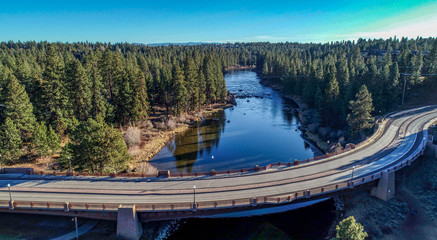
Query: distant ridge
x=177, y=44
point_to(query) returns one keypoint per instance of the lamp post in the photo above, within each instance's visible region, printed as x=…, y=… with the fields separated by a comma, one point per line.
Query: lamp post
x=69, y=165
x=352, y=176
x=405, y=84
x=1, y=160
x=10, y=195
x=194, y=199
x=212, y=169
x=75, y=224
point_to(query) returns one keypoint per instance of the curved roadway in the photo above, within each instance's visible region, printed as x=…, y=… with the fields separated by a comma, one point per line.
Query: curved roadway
x=401, y=136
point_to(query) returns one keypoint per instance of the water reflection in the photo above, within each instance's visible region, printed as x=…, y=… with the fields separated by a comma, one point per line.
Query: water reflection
x=187, y=147
x=260, y=130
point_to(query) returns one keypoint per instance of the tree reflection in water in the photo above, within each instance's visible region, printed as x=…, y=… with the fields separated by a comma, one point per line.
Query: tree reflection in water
x=189, y=146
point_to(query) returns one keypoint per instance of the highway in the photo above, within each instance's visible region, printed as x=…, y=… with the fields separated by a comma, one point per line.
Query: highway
x=400, y=136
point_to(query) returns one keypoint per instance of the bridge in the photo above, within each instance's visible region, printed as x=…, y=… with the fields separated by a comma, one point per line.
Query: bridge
x=400, y=138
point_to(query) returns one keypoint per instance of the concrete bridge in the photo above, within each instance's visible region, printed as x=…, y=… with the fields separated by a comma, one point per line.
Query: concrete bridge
x=400, y=139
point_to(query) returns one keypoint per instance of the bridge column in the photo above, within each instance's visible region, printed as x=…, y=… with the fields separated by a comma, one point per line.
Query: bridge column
x=431, y=149
x=128, y=224
x=386, y=186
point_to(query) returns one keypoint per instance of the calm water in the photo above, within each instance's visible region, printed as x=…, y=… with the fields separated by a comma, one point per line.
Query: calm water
x=310, y=223
x=260, y=130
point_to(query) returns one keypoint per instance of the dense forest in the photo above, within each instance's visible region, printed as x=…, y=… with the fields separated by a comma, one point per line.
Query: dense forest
x=81, y=91
x=50, y=92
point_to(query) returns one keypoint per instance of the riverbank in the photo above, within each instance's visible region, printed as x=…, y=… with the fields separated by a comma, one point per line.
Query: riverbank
x=155, y=133
x=239, y=67
x=307, y=117
x=164, y=129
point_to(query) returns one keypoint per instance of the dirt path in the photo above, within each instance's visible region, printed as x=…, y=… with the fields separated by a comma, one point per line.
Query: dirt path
x=416, y=226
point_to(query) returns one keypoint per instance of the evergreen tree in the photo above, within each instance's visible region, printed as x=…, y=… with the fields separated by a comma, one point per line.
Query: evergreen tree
x=98, y=147
x=210, y=79
x=80, y=85
x=140, y=104
x=179, y=90
x=56, y=107
x=98, y=101
x=202, y=88
x=18, y=108
x=319, y=101
x=10, y=142
x=265, y=70
x=39, y=142
x=52, y=140
x=192, y=84
x=416, y=68
x=360, y=118
x=349, y=229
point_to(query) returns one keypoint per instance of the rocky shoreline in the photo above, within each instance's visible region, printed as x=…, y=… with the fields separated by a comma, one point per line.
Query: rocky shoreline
x=308, y=119
x=239, y=67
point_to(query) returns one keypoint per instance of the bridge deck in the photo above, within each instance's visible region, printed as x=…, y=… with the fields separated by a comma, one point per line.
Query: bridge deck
x=400, y=140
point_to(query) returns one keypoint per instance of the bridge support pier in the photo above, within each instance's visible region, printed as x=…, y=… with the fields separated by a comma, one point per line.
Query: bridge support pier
x=128, y=224
x=431, y=149
x=386, y=186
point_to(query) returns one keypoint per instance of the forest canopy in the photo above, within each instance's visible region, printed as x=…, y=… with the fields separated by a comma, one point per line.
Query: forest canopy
x=49, y=91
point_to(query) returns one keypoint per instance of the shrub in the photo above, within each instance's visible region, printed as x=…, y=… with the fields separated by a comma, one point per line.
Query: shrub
x=132, y=136
x=171, y=124
x=349, y=229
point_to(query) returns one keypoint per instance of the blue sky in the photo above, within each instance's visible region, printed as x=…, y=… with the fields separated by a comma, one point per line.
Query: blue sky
x=215, y=21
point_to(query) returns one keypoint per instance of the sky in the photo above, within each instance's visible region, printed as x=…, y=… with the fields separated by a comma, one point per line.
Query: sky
x=182, y=21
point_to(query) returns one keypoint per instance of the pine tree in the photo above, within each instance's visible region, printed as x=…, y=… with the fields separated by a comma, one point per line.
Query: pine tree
x=416, y=67
x=202, y=88
x=210, y=79
x=10, y=142
x=360, y=118
x=319, y=101
x=179, y=90
x=140, y=104
x=18, y=108
x=55, y=101
x=308, y=91
x=97, y=147
x=80, y=93
x=331, y=110
x=98, y=101
x=192, y=84
x=265, y=70
x=39, y=141
x=349, y=229
x=52, y=140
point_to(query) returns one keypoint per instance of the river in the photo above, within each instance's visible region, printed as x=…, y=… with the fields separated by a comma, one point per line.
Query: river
x=261, y=129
